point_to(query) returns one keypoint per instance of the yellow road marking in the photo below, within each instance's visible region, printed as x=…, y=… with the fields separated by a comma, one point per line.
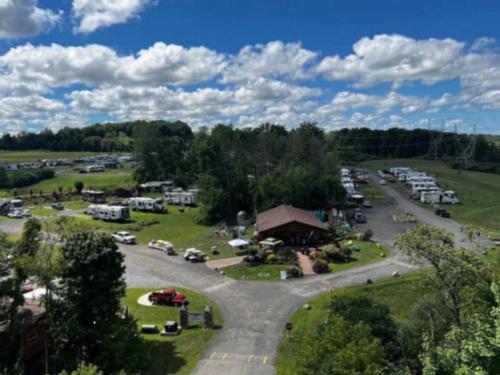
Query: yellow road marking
x=250, y=358
x=224, y=356
x=213, y=355
x=264, y=361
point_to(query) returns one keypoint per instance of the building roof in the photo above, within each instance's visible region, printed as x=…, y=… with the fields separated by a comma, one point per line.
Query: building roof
x=285, y=214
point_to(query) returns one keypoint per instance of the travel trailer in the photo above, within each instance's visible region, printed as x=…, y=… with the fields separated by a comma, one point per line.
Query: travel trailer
x=188, y=198
x=439, y=197
x=94, y=196
x=108, y=213
x=146, y=204
x=95, y=168
x=417, y=187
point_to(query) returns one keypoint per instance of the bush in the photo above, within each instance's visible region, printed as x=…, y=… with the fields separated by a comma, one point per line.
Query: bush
x=271, y=258
x=367, y=236
x=294, y=271
x=320, y=266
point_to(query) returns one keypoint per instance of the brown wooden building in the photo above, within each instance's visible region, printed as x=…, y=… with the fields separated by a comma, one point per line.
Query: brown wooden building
x=294, y=226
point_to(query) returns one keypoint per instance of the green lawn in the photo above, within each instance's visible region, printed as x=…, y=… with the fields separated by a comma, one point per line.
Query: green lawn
x=172, y=354
x=177, y=227
x=399, y=294
x=478, y=192
x=369, y=253
x=35, y=155
x=264, y=272
x=110, y=179
x=374, y=194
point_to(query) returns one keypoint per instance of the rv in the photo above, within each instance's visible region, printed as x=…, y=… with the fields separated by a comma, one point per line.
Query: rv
x=187, y=198
x=94, y=196
x=108, y=213
x=95, y=168
x=417, y=187
x=156, y=186
x=439, y=197
x=146, y=204
x=411, y=179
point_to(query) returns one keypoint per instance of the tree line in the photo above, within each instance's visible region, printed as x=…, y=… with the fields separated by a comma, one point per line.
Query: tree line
x=244, y=169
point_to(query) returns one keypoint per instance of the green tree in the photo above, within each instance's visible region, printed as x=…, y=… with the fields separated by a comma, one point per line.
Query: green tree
x=338, y=348
x=29, y=243
x=85, y=321
x=84, y=369
x=79, y=186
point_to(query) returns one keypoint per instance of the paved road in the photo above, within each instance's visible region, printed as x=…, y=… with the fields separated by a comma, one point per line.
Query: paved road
x=255, y=312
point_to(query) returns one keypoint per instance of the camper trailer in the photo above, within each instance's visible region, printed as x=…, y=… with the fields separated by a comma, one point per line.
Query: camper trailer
x=187, y=198
x=439, y=197
x=146, y=204
x=95, y=168
x=94, y=196
x=417, y=187
x=108, y=213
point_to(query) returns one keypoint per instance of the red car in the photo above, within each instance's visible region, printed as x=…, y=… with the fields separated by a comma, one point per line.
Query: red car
x=168, y=297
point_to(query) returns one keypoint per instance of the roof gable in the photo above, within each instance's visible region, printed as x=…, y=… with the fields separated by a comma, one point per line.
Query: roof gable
x=285, y=214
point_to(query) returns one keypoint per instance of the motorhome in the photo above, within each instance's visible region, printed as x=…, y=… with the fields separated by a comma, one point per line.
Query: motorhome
x=418, y=187
x=146, y=204
x=95, y=168
x=94, y=196
x=188, y=198
x=156, y=186
x=409, y=180
x=396, y=171
x=439, y=197
x=108, y=213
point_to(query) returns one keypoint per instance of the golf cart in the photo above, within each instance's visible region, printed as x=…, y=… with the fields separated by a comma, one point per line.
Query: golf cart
x=194, y=255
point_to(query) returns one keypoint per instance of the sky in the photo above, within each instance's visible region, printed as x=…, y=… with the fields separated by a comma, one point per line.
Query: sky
x=352, y=63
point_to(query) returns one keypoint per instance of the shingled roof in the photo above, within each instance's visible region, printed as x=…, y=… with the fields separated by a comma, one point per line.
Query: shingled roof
x=285, y=214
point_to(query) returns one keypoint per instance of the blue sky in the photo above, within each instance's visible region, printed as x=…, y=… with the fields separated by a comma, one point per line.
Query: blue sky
x=339, y=63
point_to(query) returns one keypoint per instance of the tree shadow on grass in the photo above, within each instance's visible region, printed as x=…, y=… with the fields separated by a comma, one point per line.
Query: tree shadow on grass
x=162, y=358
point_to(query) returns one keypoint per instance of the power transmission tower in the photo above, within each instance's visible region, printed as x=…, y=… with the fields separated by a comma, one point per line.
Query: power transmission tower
x=435, y=141
x=467, y=154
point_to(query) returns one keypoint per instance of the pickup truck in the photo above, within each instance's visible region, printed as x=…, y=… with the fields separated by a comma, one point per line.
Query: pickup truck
x=124, y=237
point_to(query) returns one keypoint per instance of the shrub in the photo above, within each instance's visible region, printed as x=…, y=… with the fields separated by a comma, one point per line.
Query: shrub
x=367, y=236
x=272, y=258
x=253, y=251
x=294, y=271
x=320, y=266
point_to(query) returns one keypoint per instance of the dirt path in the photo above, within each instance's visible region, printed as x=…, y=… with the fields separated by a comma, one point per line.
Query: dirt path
x=305, y=264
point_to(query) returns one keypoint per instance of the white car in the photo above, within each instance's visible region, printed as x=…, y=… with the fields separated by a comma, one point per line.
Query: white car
x=124, y=237
x=162, y=245
x=16, y=214
x=382, y=182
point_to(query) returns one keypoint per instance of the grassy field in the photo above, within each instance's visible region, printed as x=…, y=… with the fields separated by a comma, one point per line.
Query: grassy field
x=479, y=193
x=369, y=253
x=35, y=155
x=374, y=194
x=400, y=294
x=173, y=354
x=264, y=272
x=177, y=227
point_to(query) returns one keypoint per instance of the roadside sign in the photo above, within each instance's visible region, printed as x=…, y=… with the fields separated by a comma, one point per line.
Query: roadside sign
x=283, y=275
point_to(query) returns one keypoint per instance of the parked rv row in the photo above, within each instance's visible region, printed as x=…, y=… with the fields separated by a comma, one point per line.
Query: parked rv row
x=423, y=187
x=96, y=163
x=351, y=180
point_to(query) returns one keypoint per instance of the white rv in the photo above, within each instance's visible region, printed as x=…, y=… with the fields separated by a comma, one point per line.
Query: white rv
x=108, y=213
x=95, y=168
x=187, y=198
x=146, y=204
x=417, y=187
x=439, y=197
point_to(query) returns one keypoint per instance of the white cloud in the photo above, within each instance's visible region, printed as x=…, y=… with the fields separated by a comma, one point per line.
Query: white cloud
x=23, y=18
x=346, y=100
x=274, y=59
x=94, y=64
x=395, y=59
x=94, y=14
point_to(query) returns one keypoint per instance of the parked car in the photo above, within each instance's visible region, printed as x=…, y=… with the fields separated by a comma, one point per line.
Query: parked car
x=367, y=204
x=382, y=182
x=168, y=297
x=194, y=255
x=443, y=213
x=359, y=217
x=163, y=246
x=57, y=206
x=16, y=214
x=124, y=237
